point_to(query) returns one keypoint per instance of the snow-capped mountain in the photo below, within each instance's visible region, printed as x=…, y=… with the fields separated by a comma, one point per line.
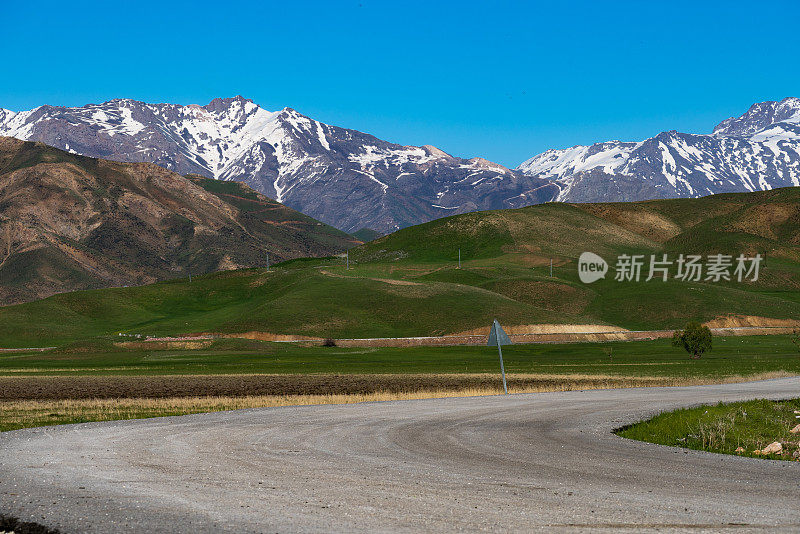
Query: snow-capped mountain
x=353, y=180
x=343, y=177
x=759, y=150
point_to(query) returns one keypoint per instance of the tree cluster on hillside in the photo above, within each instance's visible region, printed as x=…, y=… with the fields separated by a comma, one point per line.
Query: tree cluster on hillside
x=695, y=339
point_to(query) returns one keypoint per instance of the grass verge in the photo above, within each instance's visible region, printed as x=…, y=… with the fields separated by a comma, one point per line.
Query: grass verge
x=732, y=356
x=742, y=428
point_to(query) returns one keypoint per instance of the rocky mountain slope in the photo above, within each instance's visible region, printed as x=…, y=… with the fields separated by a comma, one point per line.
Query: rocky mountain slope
x=345, y=178
x=70, y=222
x=758, y=151
x=353, y=180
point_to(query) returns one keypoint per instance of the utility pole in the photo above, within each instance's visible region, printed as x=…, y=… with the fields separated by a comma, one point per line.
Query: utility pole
x=347, y=260
x=267, y=261
x=190, y=277
x=551, y=267
x=459, y=258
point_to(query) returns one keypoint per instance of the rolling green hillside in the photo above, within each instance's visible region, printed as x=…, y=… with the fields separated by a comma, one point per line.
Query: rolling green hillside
x=764, y=221
x=408, y=283
x=306, y=301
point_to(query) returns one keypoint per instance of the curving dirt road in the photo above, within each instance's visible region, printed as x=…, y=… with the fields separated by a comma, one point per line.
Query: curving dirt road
x=544, y=461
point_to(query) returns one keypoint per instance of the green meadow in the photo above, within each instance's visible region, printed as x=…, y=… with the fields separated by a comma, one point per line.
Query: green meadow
x=731, y=356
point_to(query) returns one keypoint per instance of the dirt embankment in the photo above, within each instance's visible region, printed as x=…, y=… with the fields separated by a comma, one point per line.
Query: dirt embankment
x=583, y=333
x=269, y=336
x=477, y=339
x=751, y=321
x=732, y=325
x=536, y=333
x=526, y=329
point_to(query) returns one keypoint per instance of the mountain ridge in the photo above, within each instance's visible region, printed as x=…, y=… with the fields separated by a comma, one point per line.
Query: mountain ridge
x=354, y=181
x=71, y=222
x=346, y=178
x=758, y=150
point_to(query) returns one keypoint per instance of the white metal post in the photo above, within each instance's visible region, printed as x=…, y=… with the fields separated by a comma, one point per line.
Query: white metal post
x=502, y=368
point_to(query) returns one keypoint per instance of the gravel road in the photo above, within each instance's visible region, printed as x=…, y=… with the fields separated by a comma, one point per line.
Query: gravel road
x=544, y=461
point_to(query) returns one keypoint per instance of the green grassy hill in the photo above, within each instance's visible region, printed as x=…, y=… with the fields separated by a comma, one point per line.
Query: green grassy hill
x=408, y=283
x=764, y=221
x=304, y=300
x=509, y=252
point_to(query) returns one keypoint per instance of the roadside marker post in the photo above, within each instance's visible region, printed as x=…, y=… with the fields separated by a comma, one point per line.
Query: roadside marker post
x=498, y=336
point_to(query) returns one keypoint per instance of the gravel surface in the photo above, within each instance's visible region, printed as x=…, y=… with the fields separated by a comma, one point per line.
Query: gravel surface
x=544, y=461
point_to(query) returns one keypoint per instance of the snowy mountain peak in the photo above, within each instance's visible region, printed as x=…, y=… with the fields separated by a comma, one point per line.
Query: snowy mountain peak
x=482, y=163
x=346, y=178
x=435, y=152
x=237, y=106
x=758, y=150
x=226, y=102
x=354, y=180
x=760, y=116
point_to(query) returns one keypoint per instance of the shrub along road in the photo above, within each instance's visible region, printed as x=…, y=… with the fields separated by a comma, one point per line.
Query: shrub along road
x=546, y=461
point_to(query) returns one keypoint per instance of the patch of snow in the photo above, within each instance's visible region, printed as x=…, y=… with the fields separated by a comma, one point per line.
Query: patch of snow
x=372, y=177
x=560, y=163
x=130, y=125
x=321, y=136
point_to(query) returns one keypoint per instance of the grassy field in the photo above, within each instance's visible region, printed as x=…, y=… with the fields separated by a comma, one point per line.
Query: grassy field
x=732, y=356
x=724, y=428
x=378, y=300
x=408, y=283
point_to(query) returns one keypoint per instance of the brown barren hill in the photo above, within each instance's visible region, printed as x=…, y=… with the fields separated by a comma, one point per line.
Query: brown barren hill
x=69, y=222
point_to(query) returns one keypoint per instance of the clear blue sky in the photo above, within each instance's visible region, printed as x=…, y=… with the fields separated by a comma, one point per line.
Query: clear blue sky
x=502, y=80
